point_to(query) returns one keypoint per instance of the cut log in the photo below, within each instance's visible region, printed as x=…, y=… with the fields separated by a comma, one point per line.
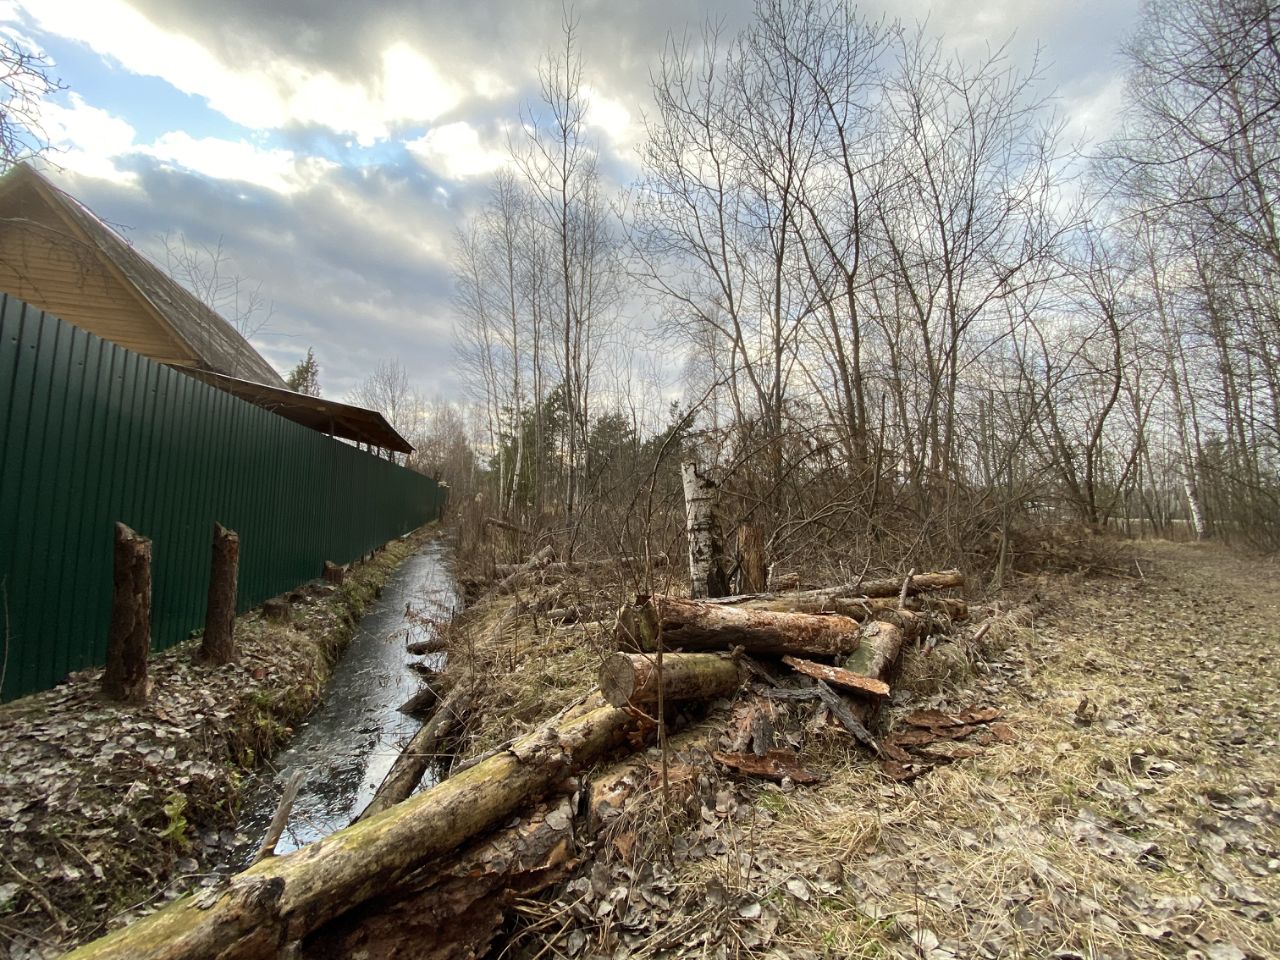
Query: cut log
x=283, y=899
x=129, y=640
x=839, y=677
x=406, y=773
x=847, y=597
x=707, y=575
x=333, y=573
x=878, y=653
x=696, y=626
x=218, y=645
x=458, y=909
x=632, y=678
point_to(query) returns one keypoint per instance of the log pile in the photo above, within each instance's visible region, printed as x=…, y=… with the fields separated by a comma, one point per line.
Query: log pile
x=432, y=874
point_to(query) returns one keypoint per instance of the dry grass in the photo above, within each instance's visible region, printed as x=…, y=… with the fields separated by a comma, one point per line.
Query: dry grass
x=1134, y=817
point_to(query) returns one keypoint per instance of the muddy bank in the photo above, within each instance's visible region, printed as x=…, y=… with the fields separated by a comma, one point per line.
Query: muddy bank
x=106, y=809
x=346, y=746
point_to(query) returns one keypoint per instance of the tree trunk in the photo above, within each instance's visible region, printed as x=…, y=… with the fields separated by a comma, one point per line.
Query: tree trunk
x=406, y=773
x=129, y=641
x=218, y=645
x=813, y=600
x=701, y=625
x=856, y=608
x=753, y=574
x=632, y=678
x=283, y=899
x=706, y=555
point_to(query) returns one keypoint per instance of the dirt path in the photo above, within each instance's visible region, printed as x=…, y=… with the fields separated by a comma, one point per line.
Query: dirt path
x=1135, y=816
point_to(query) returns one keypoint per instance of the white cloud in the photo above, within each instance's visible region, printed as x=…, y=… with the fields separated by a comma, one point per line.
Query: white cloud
x=611, y=116
x=456, y=152
x=268, y=94
x=86, y=139
x=279, y=170
x=90, y=141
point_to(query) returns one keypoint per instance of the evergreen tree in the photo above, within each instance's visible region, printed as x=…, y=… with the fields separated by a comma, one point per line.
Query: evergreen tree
x=305, y=377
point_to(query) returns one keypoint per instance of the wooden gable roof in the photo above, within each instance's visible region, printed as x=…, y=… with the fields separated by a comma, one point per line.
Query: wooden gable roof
x=58, y=255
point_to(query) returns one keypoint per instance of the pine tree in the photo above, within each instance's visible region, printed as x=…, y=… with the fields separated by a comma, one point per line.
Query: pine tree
x=305, y=377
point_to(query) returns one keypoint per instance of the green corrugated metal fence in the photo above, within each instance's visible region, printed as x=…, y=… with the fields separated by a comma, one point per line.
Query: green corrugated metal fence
x=91, y=434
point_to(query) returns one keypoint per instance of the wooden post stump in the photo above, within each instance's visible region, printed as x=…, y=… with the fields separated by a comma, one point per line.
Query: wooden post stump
x=219, y=643
x=129, y=641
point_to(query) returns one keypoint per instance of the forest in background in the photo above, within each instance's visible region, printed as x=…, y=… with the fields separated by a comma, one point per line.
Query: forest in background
x=906, y=311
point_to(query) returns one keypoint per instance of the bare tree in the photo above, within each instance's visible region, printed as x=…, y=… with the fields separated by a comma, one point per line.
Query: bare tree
x=25, y=80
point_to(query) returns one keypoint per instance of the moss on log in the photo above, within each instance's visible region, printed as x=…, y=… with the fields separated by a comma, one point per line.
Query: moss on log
x=284, y=898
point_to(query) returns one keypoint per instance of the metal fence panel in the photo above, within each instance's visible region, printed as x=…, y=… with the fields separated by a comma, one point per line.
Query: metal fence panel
x=91, y=434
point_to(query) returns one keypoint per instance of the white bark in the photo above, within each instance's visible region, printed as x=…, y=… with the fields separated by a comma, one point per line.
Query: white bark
x=706, y=556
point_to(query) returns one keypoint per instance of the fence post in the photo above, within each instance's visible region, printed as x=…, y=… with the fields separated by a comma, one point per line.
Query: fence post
x=129, y=641
x=219, y=643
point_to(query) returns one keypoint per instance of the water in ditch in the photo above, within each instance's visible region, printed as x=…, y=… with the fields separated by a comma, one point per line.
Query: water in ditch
x=348, y=743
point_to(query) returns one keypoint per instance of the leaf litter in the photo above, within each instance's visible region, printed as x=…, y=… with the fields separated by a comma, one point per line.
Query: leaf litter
x=1101, y=784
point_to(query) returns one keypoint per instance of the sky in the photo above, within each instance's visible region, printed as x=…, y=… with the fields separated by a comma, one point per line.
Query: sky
x=334, y=147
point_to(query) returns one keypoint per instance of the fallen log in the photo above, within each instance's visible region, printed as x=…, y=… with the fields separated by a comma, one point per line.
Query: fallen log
x=508, y=526
x=422, y=701
x=632, y=678
x=699, y=626
x=820, y=600
x=459, y=908
x=839, y=677
x=406, y=773
x=283, y=899
x=858, y=608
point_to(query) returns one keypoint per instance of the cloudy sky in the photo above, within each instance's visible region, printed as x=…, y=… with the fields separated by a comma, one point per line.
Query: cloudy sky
x=334, y=145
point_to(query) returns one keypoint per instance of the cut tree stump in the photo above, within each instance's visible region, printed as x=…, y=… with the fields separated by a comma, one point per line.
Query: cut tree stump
x=707, y=575
x=277, y=610
x=218, y=645
x=753, y=575
x=333, y=572
x=129, y=640
x=698, y=626
x=632, y=678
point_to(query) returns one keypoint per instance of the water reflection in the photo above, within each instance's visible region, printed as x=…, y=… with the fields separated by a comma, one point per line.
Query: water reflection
x=350, y=741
